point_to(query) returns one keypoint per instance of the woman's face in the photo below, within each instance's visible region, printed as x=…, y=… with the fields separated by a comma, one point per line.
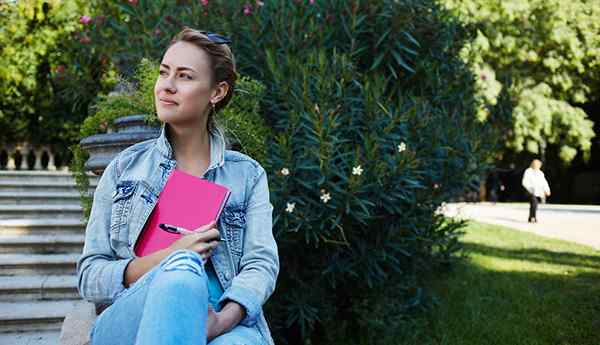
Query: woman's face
x=183, y=90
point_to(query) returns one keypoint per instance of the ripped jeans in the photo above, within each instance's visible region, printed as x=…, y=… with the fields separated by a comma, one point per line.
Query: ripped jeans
x=167, y=305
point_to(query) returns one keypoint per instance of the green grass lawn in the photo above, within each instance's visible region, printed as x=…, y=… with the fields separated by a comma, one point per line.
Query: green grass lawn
x=517, y=288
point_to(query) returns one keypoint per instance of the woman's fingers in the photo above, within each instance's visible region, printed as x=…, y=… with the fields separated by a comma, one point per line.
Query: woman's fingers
x=203, y=247
x=207, y=236
x=206, y=227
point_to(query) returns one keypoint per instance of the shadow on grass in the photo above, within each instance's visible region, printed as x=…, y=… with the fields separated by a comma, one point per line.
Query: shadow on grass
x=479, y=305
x=537, y=255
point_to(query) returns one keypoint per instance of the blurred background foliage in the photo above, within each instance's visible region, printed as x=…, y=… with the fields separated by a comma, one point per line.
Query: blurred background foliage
x=545, y=54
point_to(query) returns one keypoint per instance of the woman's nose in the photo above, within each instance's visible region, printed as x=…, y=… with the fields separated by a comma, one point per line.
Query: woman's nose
x=168, y=85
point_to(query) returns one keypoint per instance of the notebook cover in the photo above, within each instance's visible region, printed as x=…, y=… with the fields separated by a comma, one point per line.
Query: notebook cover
x=186, y=201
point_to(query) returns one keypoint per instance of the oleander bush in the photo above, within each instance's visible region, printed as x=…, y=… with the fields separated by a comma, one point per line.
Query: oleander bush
x=372, y=125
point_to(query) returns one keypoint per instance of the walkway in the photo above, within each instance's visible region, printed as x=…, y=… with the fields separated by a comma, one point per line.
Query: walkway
x=576, y=223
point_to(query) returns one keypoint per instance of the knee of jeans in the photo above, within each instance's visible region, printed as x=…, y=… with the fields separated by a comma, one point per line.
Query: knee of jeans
x=184, y=260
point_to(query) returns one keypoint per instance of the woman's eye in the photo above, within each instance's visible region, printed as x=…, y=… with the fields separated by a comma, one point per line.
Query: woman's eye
x=163, y=73
x=185, y=75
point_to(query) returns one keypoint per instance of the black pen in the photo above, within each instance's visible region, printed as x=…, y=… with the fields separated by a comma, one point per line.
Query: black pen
x=177, y=230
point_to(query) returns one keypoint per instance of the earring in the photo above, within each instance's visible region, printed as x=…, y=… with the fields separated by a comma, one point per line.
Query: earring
x=213, y=107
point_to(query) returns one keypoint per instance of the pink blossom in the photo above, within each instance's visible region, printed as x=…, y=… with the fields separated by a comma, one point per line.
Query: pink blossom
x=204, y=2
x=247, y=9
x=85, y=20
x=85, y=39
x=133, y=2
x=259, y=3
x=312, y=2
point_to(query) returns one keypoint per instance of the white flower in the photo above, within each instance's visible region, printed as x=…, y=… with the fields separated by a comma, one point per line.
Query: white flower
x=290, y=207
x=402, y=147
x=357, y=170
x=325, y=197
x=285, y=171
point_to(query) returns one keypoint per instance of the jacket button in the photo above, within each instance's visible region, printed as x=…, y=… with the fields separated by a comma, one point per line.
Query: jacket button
x=227, y=275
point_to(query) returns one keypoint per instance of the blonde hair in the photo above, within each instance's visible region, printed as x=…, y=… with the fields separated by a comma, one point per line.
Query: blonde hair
x=222, y=63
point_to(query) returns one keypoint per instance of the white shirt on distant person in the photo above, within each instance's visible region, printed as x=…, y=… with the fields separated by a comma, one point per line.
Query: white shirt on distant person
x=535, y=182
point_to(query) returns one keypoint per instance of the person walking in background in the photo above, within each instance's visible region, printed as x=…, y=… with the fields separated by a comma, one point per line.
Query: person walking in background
x=493, y=185
x=536, y=185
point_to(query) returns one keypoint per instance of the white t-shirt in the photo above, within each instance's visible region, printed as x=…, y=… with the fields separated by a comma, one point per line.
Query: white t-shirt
x=535, y=182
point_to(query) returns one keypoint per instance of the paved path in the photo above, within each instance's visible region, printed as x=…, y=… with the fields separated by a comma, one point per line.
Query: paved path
x=576, y=223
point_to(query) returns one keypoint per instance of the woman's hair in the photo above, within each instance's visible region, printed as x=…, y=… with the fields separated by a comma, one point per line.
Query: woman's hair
x=222, y=63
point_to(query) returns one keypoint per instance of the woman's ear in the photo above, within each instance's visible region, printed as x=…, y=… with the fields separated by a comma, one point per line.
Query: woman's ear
x=220, y=92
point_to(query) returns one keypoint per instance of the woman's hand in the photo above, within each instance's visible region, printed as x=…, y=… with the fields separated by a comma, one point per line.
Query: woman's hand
x=214, y=326
x=203, y=240
x=221, y=322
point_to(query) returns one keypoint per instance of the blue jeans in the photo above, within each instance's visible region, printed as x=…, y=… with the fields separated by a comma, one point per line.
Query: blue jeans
x=167, y=305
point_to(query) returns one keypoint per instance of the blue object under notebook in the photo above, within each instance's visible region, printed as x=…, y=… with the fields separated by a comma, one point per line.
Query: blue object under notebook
x=215, y=291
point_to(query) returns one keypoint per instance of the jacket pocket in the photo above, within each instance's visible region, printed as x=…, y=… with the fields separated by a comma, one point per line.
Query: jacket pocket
x=234, y=219
x=122, y=198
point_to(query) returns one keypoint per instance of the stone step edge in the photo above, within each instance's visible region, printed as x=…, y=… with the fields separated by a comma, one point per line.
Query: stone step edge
x=41, y=222
x=40, y=194
x=41, y=239
x=11, y=259
x=39, y=207
x=37, y=282
x=36, y=310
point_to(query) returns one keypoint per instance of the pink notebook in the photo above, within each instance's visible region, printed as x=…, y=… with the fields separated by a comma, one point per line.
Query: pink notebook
x=186, y=201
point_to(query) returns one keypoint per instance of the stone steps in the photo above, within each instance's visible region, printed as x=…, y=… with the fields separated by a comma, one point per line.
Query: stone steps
x=41, y=243
x=12, y=264
x=37, y=186
x=36, y=197
x=31, y=338
x=34, y=315
x=25, y=176
x=38, y=287
x=41, y=225
x=41, y=238
x=40, y=210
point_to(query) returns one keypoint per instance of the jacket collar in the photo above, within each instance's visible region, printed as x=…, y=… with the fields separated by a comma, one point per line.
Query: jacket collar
x=217, y=146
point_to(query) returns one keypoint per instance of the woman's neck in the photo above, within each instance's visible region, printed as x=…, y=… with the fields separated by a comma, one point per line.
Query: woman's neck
x=191, y=147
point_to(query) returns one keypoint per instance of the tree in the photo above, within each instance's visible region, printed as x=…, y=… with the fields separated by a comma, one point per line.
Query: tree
x=544, y=56
x=46, y=83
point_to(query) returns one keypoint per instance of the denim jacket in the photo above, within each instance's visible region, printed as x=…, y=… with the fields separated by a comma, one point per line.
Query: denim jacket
x=246, y=263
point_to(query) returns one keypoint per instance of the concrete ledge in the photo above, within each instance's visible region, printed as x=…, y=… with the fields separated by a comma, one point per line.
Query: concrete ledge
x=78, y=324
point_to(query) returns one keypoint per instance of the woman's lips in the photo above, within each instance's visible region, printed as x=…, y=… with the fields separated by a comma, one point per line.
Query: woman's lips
x=167, y=102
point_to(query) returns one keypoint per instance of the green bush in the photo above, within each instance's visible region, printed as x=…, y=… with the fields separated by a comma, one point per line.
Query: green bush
x=373, y=125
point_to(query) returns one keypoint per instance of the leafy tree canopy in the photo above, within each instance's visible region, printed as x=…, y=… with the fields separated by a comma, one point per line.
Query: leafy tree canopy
x=545, y=56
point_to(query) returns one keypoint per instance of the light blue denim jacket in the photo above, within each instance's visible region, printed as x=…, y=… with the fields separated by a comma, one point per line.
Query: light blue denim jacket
x=246, y=263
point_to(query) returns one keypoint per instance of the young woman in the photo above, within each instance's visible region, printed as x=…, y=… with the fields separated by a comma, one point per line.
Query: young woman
x=199, y=290
x=537, y=187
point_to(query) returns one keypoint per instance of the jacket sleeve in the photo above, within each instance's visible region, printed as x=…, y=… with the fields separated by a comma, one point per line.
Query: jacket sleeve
x=259, y=264
x=99, y=272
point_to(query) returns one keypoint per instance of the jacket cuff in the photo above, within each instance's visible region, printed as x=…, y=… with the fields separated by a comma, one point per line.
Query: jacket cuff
x=118, y=276
x=247, y=299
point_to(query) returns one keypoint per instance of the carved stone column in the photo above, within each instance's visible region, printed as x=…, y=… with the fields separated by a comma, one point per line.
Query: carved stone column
x=104, y=147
